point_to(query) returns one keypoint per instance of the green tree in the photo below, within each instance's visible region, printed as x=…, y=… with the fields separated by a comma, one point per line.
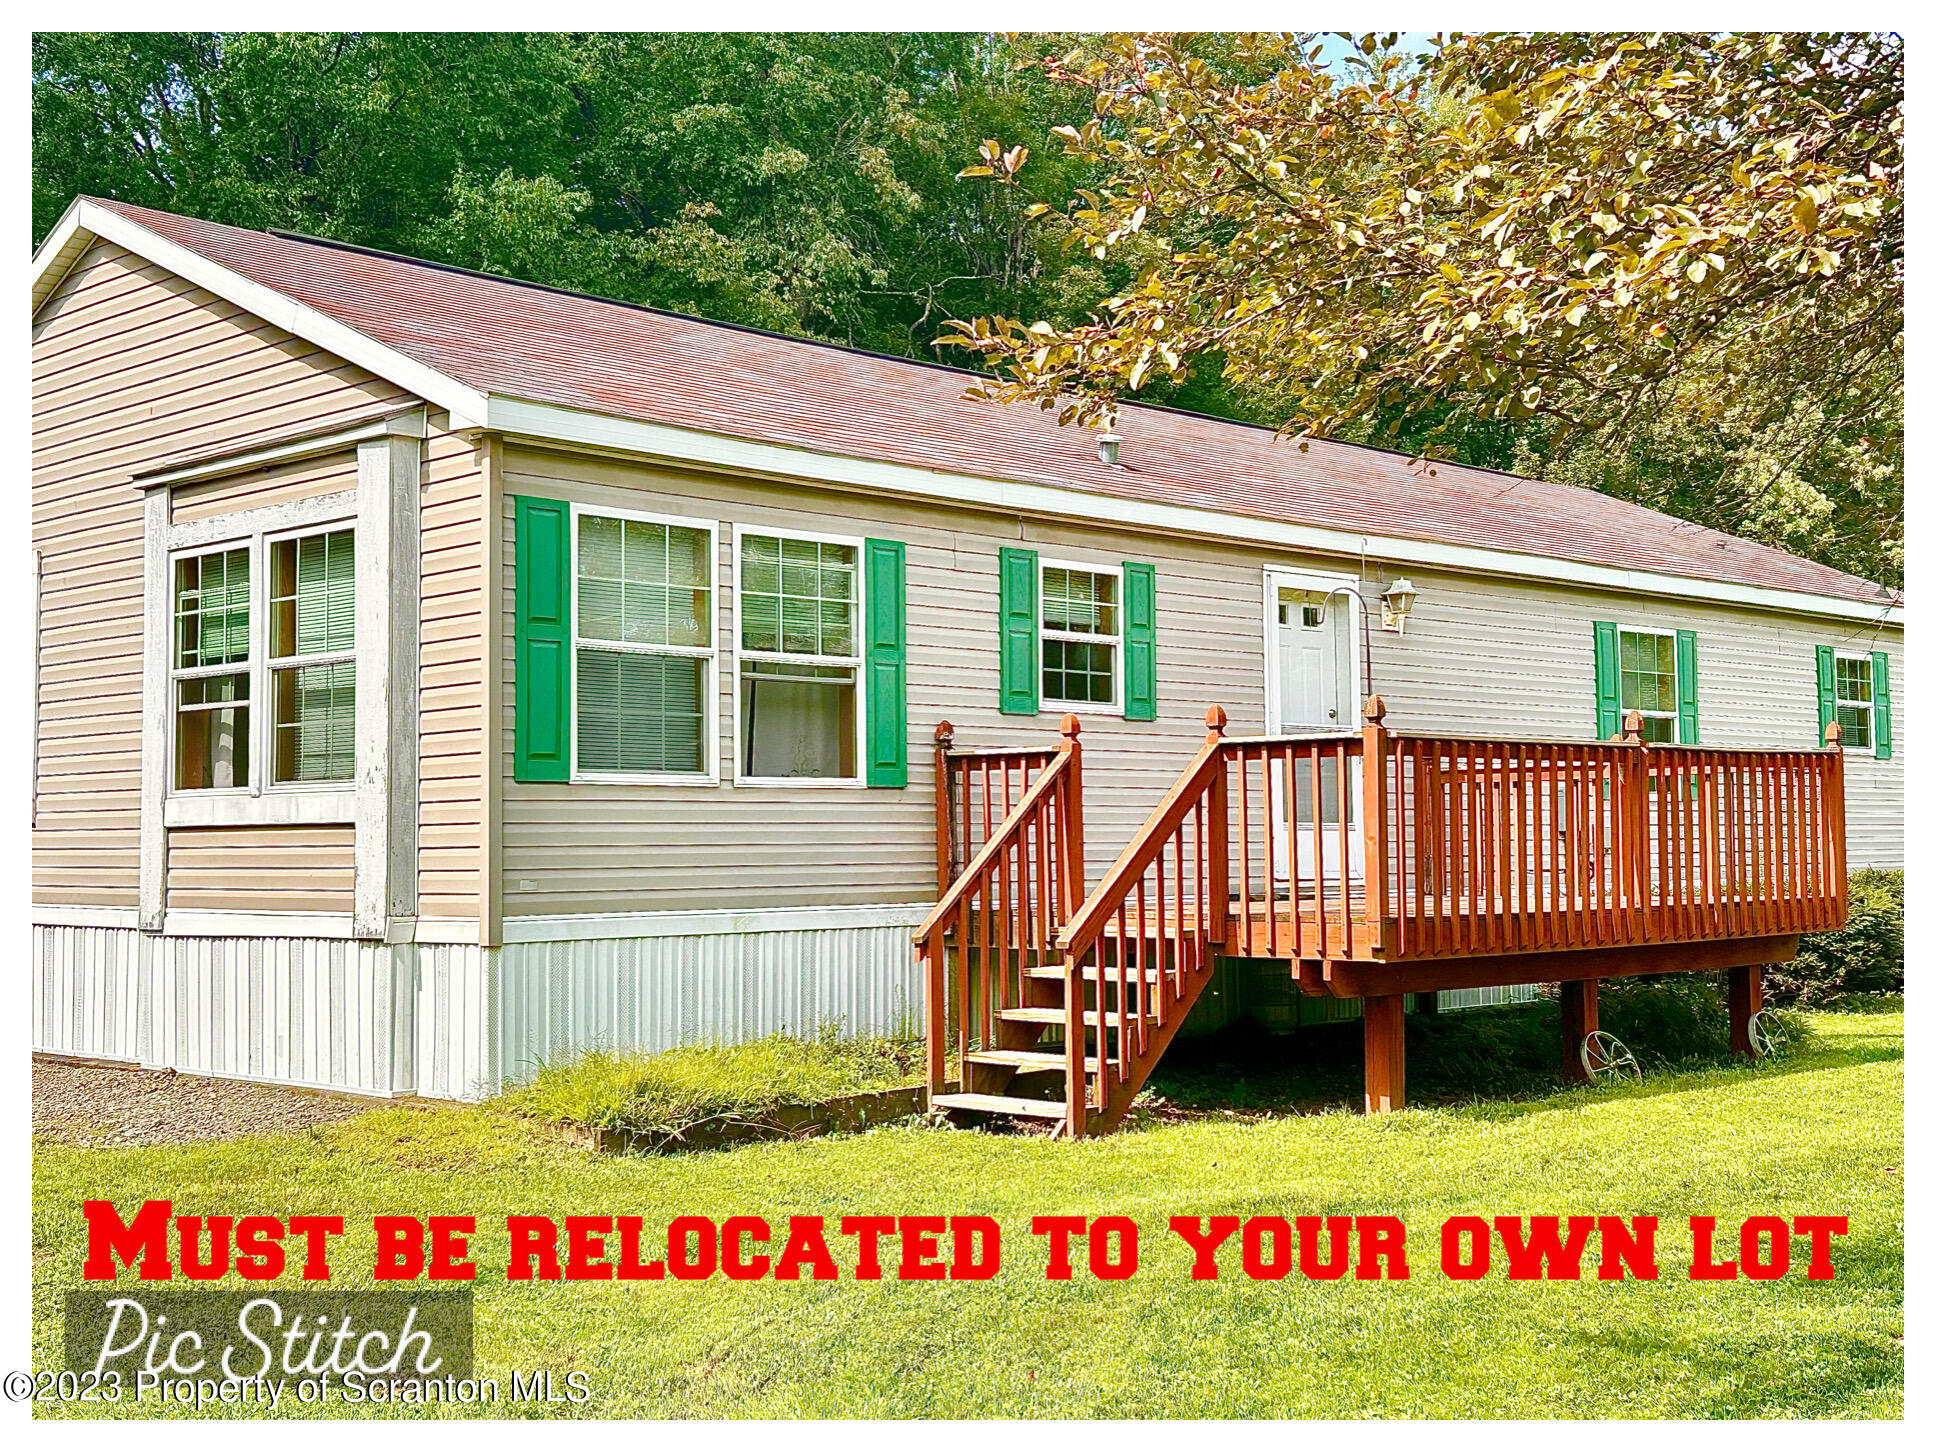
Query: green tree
x=1681, y=254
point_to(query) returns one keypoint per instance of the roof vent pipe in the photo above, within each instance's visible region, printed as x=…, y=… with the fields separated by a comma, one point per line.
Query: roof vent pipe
x=1107, y=447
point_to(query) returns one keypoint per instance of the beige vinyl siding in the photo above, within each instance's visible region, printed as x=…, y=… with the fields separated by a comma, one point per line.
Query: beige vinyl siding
x=1489, y=656
x=1481, y=656
x=451, y=834
x=133, y=368
x=582, y=847
x=282, y=484
x=262, y=869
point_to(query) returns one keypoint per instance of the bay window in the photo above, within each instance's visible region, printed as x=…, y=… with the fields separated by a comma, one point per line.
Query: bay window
x=224, y=667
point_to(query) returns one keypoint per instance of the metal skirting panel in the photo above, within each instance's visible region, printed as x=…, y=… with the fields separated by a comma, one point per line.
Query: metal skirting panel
x=1450, y=998
x=325, y=1013
x=556, y=999
x=453, y=1021
x=90, y=994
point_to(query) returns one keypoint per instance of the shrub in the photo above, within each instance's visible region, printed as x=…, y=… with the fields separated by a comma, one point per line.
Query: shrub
x=1864, y=957
x=625, y=1089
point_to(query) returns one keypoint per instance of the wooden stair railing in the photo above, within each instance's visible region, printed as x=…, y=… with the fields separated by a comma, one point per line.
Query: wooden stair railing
x=986, y=945
x=1139, y=951
x=1464, y=847
x=974, y=789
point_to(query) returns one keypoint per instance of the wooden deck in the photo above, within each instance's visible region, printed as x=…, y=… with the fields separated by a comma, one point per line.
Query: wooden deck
x=1483, y=862
x=1314, y=932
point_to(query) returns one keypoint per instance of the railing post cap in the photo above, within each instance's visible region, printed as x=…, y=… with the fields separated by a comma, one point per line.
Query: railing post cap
x=1631, y=726
x=1071, y=727
x=1216, y=719
x=1833, y=735
x=945, y=731
x=1375, y=708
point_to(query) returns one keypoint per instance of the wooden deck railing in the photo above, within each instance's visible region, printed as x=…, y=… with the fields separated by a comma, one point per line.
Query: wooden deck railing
x=1483, y=847
x=1149, y=926
x=974, y=791
x=1000, y=914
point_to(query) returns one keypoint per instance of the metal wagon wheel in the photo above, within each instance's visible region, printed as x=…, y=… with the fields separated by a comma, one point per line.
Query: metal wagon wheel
x=1607, y=1060
x=1767, y=1034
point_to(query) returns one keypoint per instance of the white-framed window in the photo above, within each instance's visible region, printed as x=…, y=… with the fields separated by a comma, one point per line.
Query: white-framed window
x=1855, y=700
x=312, y=656
x=211, y=669
x=799, y=706
x=1082, y=640
x=644, y=647
x=262, y=663
x=1650, y=682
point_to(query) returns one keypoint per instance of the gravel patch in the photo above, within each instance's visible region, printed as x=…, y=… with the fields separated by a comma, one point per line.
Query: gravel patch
x=84, y=1104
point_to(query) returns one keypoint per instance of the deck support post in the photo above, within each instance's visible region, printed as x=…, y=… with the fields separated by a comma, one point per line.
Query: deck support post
x=1579, y=1016
x=1744, y=1002
x=1384, y=1053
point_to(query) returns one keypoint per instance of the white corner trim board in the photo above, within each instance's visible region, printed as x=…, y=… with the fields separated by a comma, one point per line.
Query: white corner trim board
x=553, y=424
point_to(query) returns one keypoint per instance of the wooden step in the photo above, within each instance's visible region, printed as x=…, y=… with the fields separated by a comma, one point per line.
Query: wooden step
x=1052, y=972
x=1028, y=1060
x=1053, y=1016
x=1001, y=1104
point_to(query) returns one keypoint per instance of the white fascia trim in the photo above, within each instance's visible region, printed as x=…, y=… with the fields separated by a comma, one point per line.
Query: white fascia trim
x=60, y=915
x=265, y=302
x=587, y=927
x=226, y=923
x=304, y=444
x=551, y=424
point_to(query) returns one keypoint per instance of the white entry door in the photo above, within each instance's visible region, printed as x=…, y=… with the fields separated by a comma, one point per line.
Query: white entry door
x=1313, y=687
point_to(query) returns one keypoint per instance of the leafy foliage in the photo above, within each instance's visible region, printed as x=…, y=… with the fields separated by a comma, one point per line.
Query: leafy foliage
x=1866, y=957
x=1668, y=267
x=803, y=183
x=1600, y=239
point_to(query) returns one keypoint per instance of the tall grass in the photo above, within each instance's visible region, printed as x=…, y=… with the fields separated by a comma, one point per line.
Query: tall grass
x=625, y=1089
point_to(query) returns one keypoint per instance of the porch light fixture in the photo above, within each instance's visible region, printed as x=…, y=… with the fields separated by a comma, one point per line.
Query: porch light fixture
x=1395, y=606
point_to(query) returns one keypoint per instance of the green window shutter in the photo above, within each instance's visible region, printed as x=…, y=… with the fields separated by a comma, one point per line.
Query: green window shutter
x=887, y=723
x=543, y=640
x=1687, y=687
x=1883, y=732
x=1021, y=643
x=1139, y=642
x=1606, y=677
x=1824, y=689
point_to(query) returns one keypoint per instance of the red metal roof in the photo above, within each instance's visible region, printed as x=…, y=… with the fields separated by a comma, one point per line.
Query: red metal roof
x=526, y=342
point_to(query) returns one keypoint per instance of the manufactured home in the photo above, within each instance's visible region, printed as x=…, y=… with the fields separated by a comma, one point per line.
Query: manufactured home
x=437, y=673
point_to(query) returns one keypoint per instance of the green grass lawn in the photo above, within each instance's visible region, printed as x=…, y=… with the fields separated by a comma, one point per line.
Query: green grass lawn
x=1820, y=1133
